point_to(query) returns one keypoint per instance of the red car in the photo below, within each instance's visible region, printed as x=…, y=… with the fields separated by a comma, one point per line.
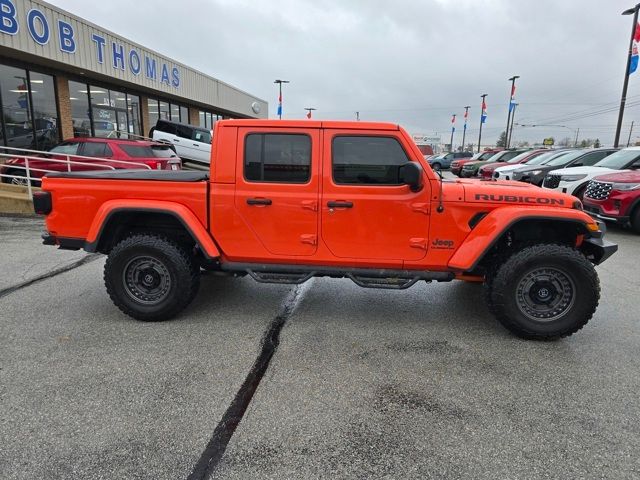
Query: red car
x=615, y=197
x=486, y=171
x=456, y=166
x=111, y=152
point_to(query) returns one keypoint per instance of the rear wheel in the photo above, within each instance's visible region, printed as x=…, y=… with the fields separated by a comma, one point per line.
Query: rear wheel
x=151, y=278
x=436, y=166
x=544, y=292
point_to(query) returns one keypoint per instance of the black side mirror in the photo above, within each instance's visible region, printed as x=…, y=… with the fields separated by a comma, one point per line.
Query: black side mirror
x=411, y=174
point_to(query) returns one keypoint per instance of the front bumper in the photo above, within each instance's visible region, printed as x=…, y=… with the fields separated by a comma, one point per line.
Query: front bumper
x=596, y=212
x=596, y=248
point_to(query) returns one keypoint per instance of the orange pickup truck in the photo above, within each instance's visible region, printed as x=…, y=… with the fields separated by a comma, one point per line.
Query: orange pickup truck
x=285, y=201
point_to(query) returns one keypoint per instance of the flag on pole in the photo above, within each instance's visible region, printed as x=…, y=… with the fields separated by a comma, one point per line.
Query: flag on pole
x=633, y=63
x=483, y=115
x=280, y=104
x=466, y=114
x=453, y=123
x=309, y=114
x=513, y=97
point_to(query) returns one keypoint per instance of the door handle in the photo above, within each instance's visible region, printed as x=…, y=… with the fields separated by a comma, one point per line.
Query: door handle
x=196, y=145
x=339, y=204
x=259, y=201
x=176, y=140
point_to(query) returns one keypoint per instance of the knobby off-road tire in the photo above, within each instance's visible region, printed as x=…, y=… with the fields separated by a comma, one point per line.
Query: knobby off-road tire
x=545, y=292
x=150, y=277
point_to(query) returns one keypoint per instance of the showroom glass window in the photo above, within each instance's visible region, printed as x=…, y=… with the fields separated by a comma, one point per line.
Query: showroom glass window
x=165, y=111
x=133, y=110
x=184, y=114
x=153, y=112
x=104, y=113
x=29, y=114
x=80, y=113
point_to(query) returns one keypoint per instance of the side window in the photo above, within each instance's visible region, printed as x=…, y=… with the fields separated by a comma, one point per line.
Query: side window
x=273, y=157
x=66, y=148
x=509, y=156
x=201, y=136
x=367, y=160
x=592, y=158
x=93, y=149
x=166, y=127
x=183, y=131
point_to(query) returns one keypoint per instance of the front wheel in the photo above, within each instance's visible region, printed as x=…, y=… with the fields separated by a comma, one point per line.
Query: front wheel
x=436, y=166
x=150, y=278
x=545, y=292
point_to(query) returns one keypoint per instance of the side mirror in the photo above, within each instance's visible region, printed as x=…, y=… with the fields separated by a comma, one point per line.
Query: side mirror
x=411, y=174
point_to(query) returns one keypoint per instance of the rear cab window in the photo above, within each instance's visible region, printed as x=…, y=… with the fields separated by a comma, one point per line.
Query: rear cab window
x=277, y=157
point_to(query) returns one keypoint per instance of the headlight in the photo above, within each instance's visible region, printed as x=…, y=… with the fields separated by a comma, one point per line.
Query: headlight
x=572, y=178
x=625, y=186
x=536, y=172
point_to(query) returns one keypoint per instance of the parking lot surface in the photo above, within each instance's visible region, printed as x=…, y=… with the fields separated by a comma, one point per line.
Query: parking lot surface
x=421, y=383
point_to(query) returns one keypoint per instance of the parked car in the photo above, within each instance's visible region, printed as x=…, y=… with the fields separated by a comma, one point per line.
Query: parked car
x=506, y=172
x=486, y=170
x=456, y=165
x=471, y=169
x=158, y=156
x=443, y=161
x=191, y=143
x=615, y=197
x=574, y=180
x=584, y=157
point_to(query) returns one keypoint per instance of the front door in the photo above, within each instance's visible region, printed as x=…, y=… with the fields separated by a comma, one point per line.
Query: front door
x=367, y=213
x=277, y=188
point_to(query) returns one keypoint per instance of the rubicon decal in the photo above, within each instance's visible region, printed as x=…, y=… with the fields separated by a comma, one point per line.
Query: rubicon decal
x=518, y=199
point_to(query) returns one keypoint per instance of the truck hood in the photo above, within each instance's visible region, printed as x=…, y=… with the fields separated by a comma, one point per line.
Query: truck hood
x=581, y=170
x=513, y=193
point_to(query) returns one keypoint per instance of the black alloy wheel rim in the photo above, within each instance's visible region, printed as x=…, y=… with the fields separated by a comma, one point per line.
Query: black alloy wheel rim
x=146, y=280
x=545, y=294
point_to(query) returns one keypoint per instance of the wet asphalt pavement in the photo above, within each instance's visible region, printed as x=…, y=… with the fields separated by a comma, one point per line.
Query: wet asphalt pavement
x=361, y=383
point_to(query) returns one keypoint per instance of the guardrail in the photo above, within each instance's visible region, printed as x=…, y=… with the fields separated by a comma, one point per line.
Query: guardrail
x=69, y=161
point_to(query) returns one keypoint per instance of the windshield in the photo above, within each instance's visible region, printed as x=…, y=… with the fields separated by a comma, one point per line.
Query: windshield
x=545, y=157
x=564, y=159
x=619, y=160
x=519, y=158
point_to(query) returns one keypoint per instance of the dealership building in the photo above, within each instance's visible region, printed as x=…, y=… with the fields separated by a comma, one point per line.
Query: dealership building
x=61, y=76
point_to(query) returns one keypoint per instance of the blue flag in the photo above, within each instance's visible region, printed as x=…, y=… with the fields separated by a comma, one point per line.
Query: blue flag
x=483, y=118
x=633, y=65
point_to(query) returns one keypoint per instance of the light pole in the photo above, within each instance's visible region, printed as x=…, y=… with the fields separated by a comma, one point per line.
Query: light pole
x=552, y=125
x=513, y=92
x=629, y=11
x=464, y=129
x=309, y=110
x=280, y=82
x=453, y=129
x=513, y=117
x=483, y=117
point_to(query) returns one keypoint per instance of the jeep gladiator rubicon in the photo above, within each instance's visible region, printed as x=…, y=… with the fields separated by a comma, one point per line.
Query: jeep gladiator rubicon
x=285, y=201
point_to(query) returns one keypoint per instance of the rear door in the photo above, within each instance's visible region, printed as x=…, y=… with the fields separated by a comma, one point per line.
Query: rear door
x=367, y=213
x=277, y=184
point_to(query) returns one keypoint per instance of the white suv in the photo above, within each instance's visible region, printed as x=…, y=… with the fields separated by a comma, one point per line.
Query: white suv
x=574, y=180
x=191, y=143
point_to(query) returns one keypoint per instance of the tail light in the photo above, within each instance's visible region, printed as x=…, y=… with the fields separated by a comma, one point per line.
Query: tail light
x=154, y=164
x=42, y=204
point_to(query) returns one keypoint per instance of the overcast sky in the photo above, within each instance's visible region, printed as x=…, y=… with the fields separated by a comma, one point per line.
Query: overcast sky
x=409, y=62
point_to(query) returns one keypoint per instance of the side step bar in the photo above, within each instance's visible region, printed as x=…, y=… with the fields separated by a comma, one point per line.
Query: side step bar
x=363, y=277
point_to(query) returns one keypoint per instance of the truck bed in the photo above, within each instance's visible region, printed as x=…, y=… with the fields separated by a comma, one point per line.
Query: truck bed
x=136, y=174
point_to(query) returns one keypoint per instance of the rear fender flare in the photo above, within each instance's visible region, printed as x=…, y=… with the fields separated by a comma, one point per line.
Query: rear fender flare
x=497, y=222
x=180, y=212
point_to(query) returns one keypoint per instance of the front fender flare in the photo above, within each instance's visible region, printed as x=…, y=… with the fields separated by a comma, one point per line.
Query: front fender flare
x=489, y=230
x=182, y=213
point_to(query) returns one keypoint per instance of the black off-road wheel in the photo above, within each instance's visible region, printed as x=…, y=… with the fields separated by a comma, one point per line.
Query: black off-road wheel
x=545, y=292
x=150, y=277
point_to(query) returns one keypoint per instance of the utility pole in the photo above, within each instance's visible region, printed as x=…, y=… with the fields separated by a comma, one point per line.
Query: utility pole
x=575, y=144
x=513, y=117
x=464, y=130
x=483, y=117
x=513, y=92
x=630, y=130
x=453, y=129
x=280, y=82
x=357, y=116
